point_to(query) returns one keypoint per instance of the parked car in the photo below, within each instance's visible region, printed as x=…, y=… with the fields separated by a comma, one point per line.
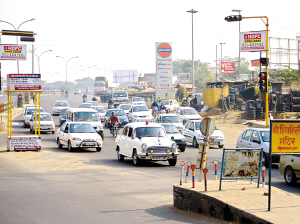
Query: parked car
x=174, y=135
x=187, y=113
x=257, y=138
x=78, y=135
x=63, y=116
x=171, y=105
x=77, y=91
x=145, y=141
x=137, y=101
x=139, y=113
x=93, y=102
x=193, y=134
x=101, y=111
x=86, y=105
x=46, y=123
x=28, y=114
x=125, y=107
x=170, y=118
x=119, y=113
x=58, y=106
x=289, y=166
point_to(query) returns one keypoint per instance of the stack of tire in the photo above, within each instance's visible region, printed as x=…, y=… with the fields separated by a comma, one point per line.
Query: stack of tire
x=251, y=111
x=272, y=104
x=296, y=101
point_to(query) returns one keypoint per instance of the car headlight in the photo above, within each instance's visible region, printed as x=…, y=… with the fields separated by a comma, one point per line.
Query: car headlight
x=184, y=139
x=98, y=139
x=76, y=139
x=174, y=146
x=126, y=119
x=144, y=146
x=99, y=128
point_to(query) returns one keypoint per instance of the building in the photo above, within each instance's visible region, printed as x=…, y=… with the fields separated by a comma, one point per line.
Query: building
x=151, y=78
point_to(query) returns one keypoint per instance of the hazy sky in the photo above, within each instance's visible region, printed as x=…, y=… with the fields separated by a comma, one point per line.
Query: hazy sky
x=121, y=34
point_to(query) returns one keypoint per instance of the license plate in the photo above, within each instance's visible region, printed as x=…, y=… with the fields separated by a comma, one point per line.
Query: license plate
x=89, y=144
x=159, y=158
x=216, y=143
x=43, y=128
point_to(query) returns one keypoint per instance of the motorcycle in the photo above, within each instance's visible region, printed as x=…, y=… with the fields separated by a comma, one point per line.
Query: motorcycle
x=66, y=94
x=110, y=106
x=162, y=111
x=115, y=129
x=84, y=98
x=154, y=112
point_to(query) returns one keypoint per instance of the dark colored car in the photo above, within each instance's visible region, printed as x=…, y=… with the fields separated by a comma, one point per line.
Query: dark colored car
x=119, y=113
x=63, y=116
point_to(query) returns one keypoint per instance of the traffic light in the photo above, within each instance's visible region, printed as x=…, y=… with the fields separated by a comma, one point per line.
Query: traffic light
x=263, y=82
x=233, y=18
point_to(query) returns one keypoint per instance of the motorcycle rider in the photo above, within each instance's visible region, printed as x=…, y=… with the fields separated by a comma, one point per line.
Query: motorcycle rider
x=94, y=98
x=113, y=120
x=154, y=104
x=162, y=107
x=84, y=97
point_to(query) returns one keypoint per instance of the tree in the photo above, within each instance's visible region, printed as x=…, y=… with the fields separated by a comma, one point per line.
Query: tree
x=180, y=93
x=288, y=75
x=167, y=94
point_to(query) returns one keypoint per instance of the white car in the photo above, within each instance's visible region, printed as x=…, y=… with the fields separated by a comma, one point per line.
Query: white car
x=58, y=106
x=78, y=135
x=137, y=101
x=289, y=166
x=171, y=105
x=170, y=118
x=28, y=114
x=86, y=105
x=257, y=138
x=77, y=91
x=187, y=113
x=146, y=141
x=139, y=113
x=93, y=102
x=193, y=134
x=46, y=123
x=174, y=135
x=125, y=107
x=101, y=112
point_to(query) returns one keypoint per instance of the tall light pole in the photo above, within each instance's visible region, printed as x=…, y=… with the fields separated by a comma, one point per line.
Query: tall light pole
x=66, y=67
x=88, y=67
x=77, y=71
x=192, y=11
x=221, y=59
x=17, y=30
x=52, y=75
x=239, y=11
x=39, y=58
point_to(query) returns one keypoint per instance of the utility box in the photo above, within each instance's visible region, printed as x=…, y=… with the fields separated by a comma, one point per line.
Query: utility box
x=20, y=101
x=211, y=96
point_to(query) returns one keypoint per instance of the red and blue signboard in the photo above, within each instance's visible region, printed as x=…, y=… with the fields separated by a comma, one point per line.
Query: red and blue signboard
x=164, y=50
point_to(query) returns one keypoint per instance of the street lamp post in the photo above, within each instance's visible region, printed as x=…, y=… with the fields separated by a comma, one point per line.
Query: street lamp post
x=239, y=11
x=17, y=37
x=221, y=59
x=52, y=75
x=66, y=67
x=39, y=58
x=88, y=67
x=192, y=11
x=77, y=71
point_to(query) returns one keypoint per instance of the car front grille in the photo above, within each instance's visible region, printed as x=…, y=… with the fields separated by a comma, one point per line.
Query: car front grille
x=159, y=149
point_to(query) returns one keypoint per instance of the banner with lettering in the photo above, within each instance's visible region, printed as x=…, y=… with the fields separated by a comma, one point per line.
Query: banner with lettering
x=285, y=136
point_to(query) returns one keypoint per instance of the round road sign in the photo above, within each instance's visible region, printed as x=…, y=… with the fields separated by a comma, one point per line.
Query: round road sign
x=204, y=126
x=164, y=50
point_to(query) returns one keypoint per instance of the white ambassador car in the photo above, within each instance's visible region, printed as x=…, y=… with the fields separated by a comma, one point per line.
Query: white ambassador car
x=193, y=134
x=170, y=118
x=139, y=113
x=187, y=113
x=146, y=141
x=78, y=135
x=137, y=101
x=58, y=106
x=46, y=123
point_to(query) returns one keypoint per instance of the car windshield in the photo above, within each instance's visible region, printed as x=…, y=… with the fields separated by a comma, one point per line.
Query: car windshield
x=170, y=129
x=86, y=116
x=81, y=128
x=125, y=107
x=117, y=113
x=197, y=125
x=137, y=99
x=93, y=102
x=43, y=117
x=265, y=135
x=140, y=108
x=150, y=132
x=169, y=119
x=99, y=109
x=61, y=104
x=64, y=112
x=32, y=110
x=165, y=102
x=119, y=94
x=86, y=105
x=189, y=112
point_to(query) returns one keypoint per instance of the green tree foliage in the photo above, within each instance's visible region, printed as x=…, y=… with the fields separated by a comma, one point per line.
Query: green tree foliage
x=288, y=75
x=180, y=93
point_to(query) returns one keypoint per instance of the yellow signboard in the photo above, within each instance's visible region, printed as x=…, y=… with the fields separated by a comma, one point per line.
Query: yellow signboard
x=285, y=136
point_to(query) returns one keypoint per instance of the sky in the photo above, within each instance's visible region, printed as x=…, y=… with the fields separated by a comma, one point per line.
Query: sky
x=117, y=34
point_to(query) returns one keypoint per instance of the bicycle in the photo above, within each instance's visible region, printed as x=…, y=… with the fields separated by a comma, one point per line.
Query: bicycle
x=115, y=129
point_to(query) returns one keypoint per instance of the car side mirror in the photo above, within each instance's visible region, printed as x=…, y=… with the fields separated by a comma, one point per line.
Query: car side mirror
x=172, y=137
x=256, y=141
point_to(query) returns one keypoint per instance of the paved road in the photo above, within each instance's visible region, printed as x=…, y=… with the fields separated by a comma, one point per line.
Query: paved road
x=107, y=191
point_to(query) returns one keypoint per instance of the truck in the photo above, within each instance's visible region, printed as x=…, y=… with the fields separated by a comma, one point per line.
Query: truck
x=119, y=97
x=100, y=88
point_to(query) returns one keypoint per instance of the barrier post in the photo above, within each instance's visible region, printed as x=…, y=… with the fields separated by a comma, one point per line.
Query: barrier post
x=193, y=167
x=205, y=170
x=216, y=169
x=182, y=163
x=189, y=163
x=263, y=169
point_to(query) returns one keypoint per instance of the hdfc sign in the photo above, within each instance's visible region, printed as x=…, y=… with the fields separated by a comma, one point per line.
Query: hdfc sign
x=12, y=52
x=253, y=41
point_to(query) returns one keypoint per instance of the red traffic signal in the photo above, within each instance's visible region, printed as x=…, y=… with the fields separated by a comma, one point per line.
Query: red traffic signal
x=263, y=82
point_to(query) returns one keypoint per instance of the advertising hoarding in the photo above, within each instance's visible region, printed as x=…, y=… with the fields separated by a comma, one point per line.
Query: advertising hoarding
x=24, y=143
x=13, y=52
x=125, y=76
x=24, y=82
x=184, y=77
x=227, y=67
x=253, y=41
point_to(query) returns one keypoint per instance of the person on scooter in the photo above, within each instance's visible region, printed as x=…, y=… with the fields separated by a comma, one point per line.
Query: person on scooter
x=113, y=120
x=162, y=107
x=154, y=104
x=84, y=97
x=66, y=93
x=94, y=98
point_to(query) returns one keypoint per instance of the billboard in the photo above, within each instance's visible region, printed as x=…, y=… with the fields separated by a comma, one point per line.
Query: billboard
x=13, y=52
x=24, y=82
x=253, y=41
x=227, y=67
x=24, y=143
x=164, y=69
x=125, y=76
x=184, y=77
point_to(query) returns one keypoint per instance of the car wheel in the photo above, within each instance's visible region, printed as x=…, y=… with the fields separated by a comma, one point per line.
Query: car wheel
x=136, y=160
x=195, y=143
x=243, y=107
x=120, y=156
x=70, y=146
x=221, y=146
x=289, y=176
x=264, y=161
x=98, y=149
x=59, y=145
x=172, y=162
x=182, y=149
x=30, y=130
